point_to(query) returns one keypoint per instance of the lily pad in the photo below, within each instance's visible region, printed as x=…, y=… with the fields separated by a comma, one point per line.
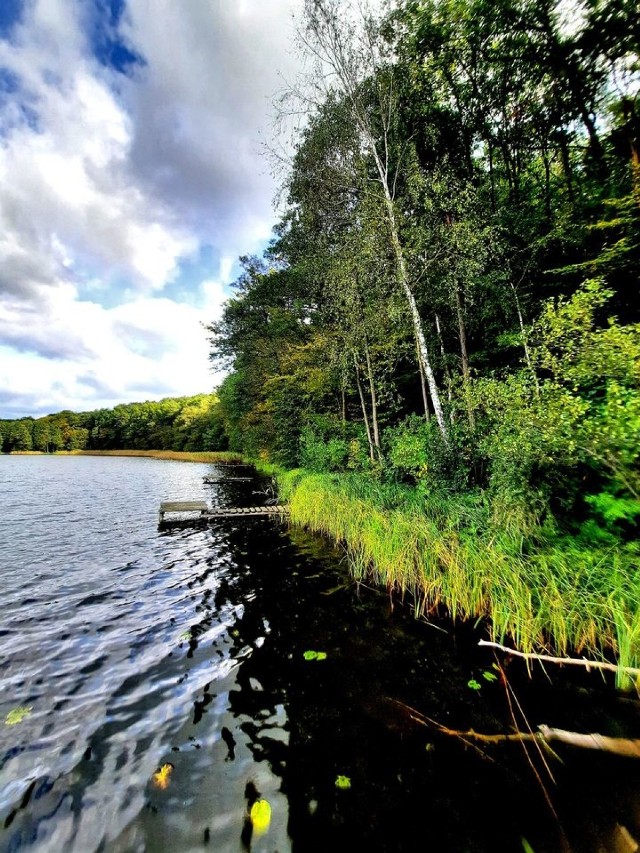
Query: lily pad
x=311, y=655
x=17, y=715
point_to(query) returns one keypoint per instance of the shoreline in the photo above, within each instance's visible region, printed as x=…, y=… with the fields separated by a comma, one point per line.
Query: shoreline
x=559, y=596
x=222, y=457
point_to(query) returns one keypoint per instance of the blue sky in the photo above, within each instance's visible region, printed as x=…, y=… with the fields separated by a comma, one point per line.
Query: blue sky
x=132, y=176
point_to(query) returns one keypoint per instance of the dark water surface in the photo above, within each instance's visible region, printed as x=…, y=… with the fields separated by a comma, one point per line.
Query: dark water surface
x=135, y=648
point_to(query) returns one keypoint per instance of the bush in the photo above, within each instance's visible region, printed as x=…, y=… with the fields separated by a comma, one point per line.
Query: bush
x=329, y=444
x=416, y=453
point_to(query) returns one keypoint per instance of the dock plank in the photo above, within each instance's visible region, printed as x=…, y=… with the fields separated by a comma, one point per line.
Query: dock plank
x=207, y=514
x=181, y=506
x=184, y=506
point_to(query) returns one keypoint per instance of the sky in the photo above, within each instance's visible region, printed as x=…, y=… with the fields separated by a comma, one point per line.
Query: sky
x=132, y=176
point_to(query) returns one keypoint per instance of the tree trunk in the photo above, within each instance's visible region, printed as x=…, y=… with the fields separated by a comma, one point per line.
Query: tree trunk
x=566, y=165
x=325, y=28
x=364, y=410
x=374, y=401
x=447, y=372
x=466, y=375
x=492, y=178
x=635, y=171
x=525, y=343
x=423, y=386
x=413, y=308
x=462, y=335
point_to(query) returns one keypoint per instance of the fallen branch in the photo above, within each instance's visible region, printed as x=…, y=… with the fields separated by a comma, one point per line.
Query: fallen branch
x=587, y=664
x=627, y=747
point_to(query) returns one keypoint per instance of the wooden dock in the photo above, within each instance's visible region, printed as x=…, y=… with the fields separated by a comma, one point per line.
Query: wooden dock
x=206, y=513
x=210, y=480
x=201, y=507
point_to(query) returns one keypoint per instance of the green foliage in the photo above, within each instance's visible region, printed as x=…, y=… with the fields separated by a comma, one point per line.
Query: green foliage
x=615, y=514
x=319, y=455
x=182, y=424
x=457, y=193
x=19, y=436
x=416, y=453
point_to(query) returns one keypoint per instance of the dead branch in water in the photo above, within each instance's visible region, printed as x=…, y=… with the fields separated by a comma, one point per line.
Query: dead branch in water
x=587, y=664
x=627, y=747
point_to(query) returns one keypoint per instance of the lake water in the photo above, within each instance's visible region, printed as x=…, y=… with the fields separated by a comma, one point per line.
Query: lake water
x=135, y=648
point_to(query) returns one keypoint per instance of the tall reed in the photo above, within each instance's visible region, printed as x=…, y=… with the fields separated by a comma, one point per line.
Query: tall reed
x=556, y=595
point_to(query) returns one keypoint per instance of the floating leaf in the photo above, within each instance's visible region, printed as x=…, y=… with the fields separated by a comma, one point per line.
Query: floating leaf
x=260, y=815
x=489, y=676
x=311, y=655
x=343, y=782
x=526, y=846
x=473, y=684
x=429, y=747
x=161, y=777
x=17, y=715
x=186, y=635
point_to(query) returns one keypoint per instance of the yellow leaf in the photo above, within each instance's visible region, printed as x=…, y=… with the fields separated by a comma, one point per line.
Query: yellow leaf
x=17, y=715
x=260, y=816
x=161, y=777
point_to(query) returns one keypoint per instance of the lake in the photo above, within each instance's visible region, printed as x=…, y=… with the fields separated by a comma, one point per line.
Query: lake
x=131, y=649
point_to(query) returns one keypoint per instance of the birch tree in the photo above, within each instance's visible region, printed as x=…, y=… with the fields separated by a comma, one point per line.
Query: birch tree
x=344, y=45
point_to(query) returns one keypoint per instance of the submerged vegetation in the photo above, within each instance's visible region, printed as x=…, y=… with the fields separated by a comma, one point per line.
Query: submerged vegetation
x=443, y=340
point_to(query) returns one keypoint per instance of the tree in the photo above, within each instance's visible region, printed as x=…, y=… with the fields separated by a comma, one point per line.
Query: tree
x=41, y=435
x=20, y=436
x=350, y=57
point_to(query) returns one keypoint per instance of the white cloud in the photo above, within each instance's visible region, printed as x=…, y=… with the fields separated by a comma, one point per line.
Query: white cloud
x=89, y=356
x=109, y=183
x=201, y=124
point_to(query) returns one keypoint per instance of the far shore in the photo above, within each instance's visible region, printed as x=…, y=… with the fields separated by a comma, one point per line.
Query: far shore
x=222, y=457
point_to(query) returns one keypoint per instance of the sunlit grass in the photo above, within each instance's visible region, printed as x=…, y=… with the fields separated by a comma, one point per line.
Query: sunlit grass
x=543, y=595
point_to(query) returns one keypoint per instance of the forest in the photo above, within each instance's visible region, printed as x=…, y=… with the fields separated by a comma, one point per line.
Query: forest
x=175, y=423
x=440, y=347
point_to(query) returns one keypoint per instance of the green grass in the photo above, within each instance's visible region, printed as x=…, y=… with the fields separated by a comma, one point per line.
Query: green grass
x=449, y=555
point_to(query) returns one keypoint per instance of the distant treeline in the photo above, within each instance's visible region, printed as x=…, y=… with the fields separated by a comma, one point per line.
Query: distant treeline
x=175, y=423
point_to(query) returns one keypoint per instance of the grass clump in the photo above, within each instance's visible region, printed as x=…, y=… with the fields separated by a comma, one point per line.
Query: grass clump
x=542, y=592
